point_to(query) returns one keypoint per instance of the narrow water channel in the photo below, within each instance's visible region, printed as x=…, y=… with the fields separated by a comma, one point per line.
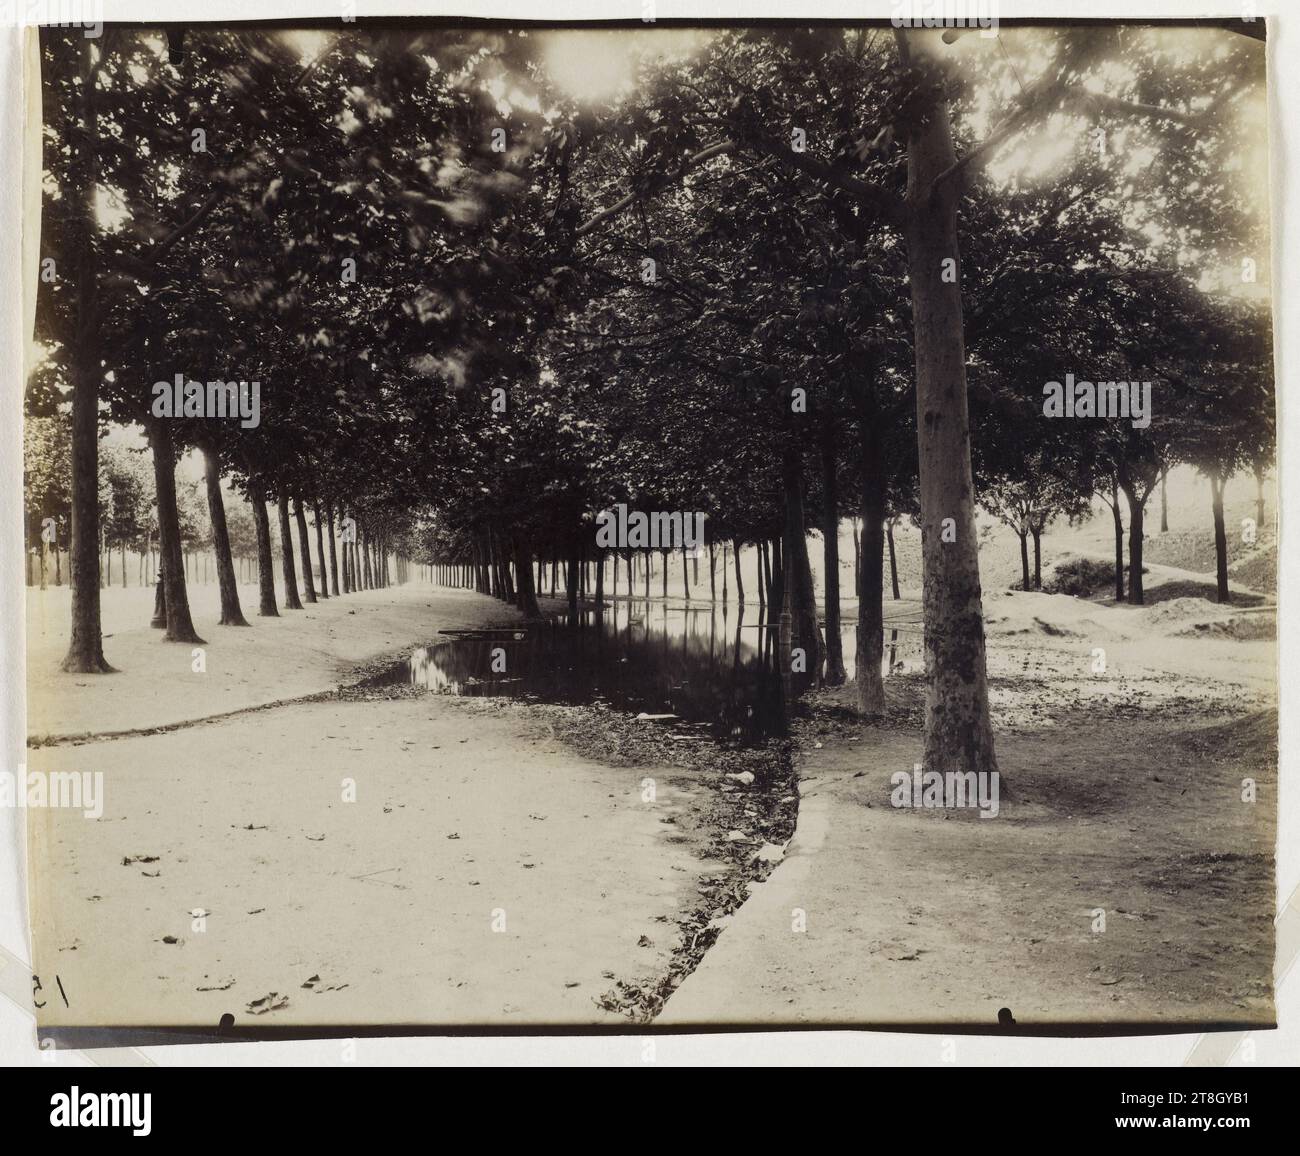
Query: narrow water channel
x=707, y=669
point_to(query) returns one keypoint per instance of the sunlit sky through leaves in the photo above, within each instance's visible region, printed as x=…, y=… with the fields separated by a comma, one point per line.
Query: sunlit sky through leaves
x=598, y=65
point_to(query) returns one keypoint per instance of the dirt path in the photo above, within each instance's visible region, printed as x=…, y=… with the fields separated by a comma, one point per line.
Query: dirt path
x=297, y=654
x=402, y=858
x=483, y=874
x=1123, y=794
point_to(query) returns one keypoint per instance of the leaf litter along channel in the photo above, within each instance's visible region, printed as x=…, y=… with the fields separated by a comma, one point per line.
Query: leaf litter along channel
x=694, y=689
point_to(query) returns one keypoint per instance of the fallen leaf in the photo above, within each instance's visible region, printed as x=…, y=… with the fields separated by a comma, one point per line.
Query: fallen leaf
x=272, y=1001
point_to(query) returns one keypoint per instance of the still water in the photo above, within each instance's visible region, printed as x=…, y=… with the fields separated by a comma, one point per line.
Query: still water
x=712, y=669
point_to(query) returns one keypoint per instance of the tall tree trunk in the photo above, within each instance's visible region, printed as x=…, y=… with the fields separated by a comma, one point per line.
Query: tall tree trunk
x=1023, y=535
x=1217, y=485
x=231, y=613
x=686, y=582
x=86, y=646
x=740, y=582
x=320, y=551
x=159, y=619
x=490, y=559
x=1259, y=498
x=958, y=726
x=1037, y=533
x=835, y=675
x=869, y=660
x=367, y=575
x=857, y=548
x=1118, y=516
x=1164, y=501
x=180, y=627
x=334, y=561
x=600, y=577
x=571, y=577
x=713, y=576
x=803, y=597
x=308, y=583
x=893, y=560
x=776, y=584
x=1135, y=519
x=506, y=587
x=291, y=601
x=526, y=591
x=266, y=606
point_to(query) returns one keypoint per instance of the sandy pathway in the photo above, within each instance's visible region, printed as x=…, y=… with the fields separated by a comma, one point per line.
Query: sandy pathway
x=1125, y=797
x=890, y=917
x=302, y=652
x=483, y=874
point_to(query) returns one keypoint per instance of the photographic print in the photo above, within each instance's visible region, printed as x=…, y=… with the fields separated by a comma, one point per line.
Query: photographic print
x=656, y=524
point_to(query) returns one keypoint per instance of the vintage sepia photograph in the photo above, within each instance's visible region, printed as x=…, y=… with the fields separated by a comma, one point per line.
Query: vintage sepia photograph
x=650, y=525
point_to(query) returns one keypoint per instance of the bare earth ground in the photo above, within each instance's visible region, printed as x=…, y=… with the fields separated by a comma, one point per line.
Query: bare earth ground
x=468, y=817
x=302, y=652
x=1122, y=792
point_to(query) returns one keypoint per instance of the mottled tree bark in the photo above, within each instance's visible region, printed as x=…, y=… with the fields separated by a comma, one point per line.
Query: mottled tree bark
x=266, y=606
x=1164, y=501
x=334, y=561
x=870, y=636
x=308, y=583
x=86, y=646
x=1217, y=484
x=231, y=613
x=835, y=675
x=291, y=601
x=526, y=590
x=1135, y=535
x=958, y=726
x=803, y=604
x=320, y=551
x=180, y=627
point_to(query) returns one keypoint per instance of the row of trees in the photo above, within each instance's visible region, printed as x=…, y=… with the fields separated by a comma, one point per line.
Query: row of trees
x=481, y=310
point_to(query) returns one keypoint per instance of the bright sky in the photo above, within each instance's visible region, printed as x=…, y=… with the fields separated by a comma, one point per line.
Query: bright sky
x=598, y=65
